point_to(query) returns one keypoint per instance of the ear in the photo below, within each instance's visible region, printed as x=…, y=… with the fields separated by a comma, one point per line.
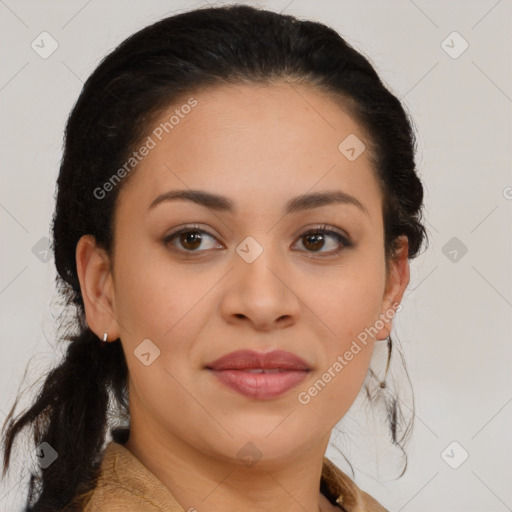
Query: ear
x=96, y=283
x=398, y=276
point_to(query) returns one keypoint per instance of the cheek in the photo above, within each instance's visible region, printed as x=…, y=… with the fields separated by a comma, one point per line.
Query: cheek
x=160, y=304
x=350, y=308
x=336, y=388
x=158, y=392
x=154, y=298
x=352, y=301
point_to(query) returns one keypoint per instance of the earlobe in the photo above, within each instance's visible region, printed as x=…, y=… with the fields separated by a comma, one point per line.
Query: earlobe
x=94, y=274
x=397, y=280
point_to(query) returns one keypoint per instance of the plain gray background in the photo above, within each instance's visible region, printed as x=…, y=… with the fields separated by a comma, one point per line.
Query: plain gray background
x=454, y=329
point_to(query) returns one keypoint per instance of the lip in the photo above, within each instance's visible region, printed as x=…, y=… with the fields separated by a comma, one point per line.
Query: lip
x=260, y=375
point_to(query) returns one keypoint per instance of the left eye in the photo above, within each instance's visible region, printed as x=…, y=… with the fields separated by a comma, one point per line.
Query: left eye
x=317, y=237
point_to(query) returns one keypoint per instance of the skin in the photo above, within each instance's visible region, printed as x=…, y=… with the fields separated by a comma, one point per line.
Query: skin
x=260, y=146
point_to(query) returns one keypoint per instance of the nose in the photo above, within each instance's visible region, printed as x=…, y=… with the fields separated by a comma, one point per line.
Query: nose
x=261, y=293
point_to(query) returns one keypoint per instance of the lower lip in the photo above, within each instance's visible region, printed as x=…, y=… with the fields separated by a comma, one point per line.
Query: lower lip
x=260, y=385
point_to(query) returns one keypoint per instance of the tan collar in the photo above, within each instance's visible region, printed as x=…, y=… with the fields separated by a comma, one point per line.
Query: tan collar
x=124, y=482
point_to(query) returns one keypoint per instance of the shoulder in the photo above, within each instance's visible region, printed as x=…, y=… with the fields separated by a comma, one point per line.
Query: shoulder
x=126, y=485
x=116, y=498
x=345, y=492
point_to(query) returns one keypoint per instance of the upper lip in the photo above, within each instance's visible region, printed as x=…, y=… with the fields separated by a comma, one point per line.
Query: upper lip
x=249, y=359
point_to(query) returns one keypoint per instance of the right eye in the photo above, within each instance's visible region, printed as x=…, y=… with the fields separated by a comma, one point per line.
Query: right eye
x=190, y=239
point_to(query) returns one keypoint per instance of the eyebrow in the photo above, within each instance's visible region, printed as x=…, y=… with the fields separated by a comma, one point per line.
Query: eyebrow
x=224, y=204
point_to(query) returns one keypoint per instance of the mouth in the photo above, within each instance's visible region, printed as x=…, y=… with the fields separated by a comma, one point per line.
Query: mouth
x=263, y=370
x=260, y=376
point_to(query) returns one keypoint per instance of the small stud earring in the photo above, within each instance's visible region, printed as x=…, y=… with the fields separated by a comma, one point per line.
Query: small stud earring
x=105, y=336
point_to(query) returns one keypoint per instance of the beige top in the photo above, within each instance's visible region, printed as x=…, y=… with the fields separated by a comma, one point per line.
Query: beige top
x=126, y=485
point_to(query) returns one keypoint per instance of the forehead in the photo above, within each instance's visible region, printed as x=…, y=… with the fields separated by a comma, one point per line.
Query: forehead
x=254, y=142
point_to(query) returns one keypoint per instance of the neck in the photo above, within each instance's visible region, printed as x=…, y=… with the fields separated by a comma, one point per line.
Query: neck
x=200, y=481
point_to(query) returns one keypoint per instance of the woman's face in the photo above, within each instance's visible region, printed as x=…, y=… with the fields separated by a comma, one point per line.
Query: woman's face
x=247, y=276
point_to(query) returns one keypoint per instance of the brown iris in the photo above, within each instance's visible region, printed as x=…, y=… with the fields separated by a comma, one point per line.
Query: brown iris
x=316, y=239
x=191, y=239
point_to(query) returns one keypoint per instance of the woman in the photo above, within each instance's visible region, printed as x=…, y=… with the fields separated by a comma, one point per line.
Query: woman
x=236, y=209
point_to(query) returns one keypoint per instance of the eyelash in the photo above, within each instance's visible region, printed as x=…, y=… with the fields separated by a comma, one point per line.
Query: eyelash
x=322, y=229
